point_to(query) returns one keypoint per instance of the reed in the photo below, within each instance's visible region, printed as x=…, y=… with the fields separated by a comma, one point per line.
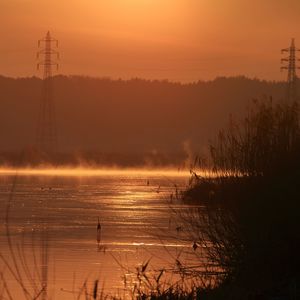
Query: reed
x=247, y=222
x=26, y=266
x=264, y=142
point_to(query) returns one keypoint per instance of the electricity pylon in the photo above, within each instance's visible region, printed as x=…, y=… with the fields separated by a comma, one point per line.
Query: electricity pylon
x=46, y=140
x=290, y=64
x=46, y=137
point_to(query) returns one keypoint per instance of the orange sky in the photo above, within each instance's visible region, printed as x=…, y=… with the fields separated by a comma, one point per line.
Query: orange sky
x=182, y=40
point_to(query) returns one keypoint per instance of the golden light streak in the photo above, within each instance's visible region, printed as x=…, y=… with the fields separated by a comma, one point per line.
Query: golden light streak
x=80, y=172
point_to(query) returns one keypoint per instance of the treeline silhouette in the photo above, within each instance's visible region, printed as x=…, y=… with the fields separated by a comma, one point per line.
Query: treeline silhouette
x=126, y=117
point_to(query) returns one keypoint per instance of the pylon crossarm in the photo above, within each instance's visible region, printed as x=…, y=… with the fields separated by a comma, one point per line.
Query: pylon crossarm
x=47, y=51
x=48, y=40
x=43, y=63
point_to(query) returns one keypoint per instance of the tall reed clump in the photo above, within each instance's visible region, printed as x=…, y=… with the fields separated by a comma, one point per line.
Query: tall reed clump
x=248, y=222
x=266, y=141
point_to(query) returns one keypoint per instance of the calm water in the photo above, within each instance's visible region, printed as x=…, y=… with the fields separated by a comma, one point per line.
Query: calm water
x=134, y=212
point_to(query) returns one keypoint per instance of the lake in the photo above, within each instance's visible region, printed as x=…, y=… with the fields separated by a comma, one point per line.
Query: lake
x=136, y=213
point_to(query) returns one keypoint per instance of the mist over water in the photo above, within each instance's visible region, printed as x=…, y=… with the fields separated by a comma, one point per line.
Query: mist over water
x=134, y=211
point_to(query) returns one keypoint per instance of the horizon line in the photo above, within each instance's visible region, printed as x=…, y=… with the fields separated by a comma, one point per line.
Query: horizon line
x=162, y=80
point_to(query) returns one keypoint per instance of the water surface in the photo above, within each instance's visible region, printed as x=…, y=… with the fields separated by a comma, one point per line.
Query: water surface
x=134, y=209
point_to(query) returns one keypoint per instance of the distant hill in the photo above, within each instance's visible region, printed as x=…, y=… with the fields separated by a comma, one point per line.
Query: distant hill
x=127, y=116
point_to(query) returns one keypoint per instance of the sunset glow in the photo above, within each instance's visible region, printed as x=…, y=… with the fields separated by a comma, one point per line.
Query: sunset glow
x=182, y=40
x=149, y=149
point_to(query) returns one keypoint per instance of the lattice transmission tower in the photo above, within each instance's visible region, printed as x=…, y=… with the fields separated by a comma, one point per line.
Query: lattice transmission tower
x=46, y=136
x=290, y=64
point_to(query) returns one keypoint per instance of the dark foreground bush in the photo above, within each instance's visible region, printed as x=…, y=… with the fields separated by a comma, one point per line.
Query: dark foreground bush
x=249, y=220
x=250, y=226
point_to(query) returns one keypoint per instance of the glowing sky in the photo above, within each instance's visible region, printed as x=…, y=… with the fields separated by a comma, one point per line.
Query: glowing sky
x=183, y=40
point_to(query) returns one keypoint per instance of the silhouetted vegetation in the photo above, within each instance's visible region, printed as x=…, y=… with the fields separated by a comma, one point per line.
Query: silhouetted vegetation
x=264, y=143
x=248, y=223
x=104, y=116
x=246, y=228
